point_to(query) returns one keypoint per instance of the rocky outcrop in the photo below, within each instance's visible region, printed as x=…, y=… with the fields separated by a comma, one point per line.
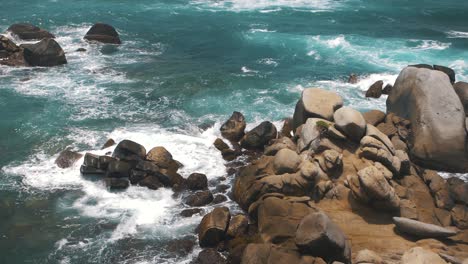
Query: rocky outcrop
x=427, y=99
x=233, y=128
x=46, y=53
x=421, y=229
x=213, y=227
x=375, y=90
x=258, y=137
x=286, y=161
x=104, y=33
x=26, y=31
x=316, y=103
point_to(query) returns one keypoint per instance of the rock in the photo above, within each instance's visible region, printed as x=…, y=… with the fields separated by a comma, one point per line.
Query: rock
x=219, y=198
x=199, y=198
x=330, y=161
x=426, y=98
x=353, y=79
x=316, y=103
x=422, y=66
x=136, y=176
x=91, y=160
x=450, y=72
x=109, y=143
x=311, y=132
x=191, y=211
x=375, y=185
x=152, y=182
x=388, y=129
x=197, y=181
x=309, y=170
x=129, y=150
x=387, y=89
x=220, y=144
x=161, y=157
x=237, y=226
x=209, y=256
x=335, y=133
x=381, y=155
x=374, y=117
x=233, y=128
x=87, y=170
x=213, y=227
x=405, y=162
x=460, y=216
x=420, y=229
x=408, y=209
x=439, y=189
x=458, y=190
x=46, y=53
x=80, y=50
x=268, y=253
x=118, y=169
x=278, y=144
x=67, y=158
x=418, y=255
x=461, y=88
x=258, y=137
x=366, y=256
x=350, y=122
x=399, y=144
x=26, y=31
x=372, y=131
x=287, y=127
x=103, y=33
x=318, y=236
x=375, y=91
x=116, y=183
x=286, y=161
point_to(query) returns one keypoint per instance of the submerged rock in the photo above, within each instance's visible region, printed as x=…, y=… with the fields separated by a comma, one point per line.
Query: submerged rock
x=421, y=229
x=26, y=31
x=104, y=33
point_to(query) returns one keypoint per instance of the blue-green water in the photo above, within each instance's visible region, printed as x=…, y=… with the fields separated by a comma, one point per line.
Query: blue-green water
x=183, y=64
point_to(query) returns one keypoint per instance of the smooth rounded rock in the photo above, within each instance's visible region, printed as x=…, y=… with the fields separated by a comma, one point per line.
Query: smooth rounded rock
x=104, y=33
x=286, y=161
x=350, y=122
x=421, y=229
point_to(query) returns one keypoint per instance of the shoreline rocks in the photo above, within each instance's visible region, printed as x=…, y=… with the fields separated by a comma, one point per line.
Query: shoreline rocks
x=103, y=33
x=26, y=31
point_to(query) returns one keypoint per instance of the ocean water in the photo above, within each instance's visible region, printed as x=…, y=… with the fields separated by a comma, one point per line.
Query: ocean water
x=183, y=65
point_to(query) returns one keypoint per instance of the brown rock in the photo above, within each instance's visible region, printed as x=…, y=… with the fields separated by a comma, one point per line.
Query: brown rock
x=67, y=158
x=287, y=128
x=197, y=181
x=286, y=161
x=209, y=256
x=375, y=91
x=258, y=137
x=458, y=190
x=212, y=229
x=366, y=256
x=387, y=89
x=104, y=33
x=460, y=216
x=110, y=142
x=27, y=31
x=233, y=128
x=199, y=198
x=237, y=226
x=388, y=129
x=374, y=117
x=420, y=255
x=220, y=144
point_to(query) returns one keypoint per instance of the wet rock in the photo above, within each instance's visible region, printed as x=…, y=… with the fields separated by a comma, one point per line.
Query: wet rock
x=116, y=183
x=104, y=33
x=316, y=103
x=26, y=31
x=181, y=247
x=163, y=158
x=421, y=229
x=375, y=91
x=420, y=255
x=286, y=161
x=318, y=236
x=209, y=256
x=350, y=122
x=199, y=198
x=220, y=144
x=258, y=137
x=109, y=143
x=219, y=198
x=91, y=165
x=46, y=53
x=450, y=72
x=67, y=158
x=129, y=150
x=233, y=128
x=213, y=227
x=151, y=182
x=191, y=211
x=366, y=256
x=353, y=79
x=197, y=181
x=80, y=50
x=374, y=117
x=118, y=169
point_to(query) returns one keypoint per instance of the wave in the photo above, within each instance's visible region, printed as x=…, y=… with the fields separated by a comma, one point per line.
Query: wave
x=430, y=45
x=456, y=34
x=268, y=6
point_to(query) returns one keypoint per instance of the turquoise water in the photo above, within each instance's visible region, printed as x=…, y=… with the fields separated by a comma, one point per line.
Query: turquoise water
x=183, y=65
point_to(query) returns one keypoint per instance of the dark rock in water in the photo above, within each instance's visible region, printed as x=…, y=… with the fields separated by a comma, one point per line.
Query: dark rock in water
x=163, y=158
x=81, y=50
x=10, y=53
x=213, y=227
x=199, y=198
x=374, y=117
x=461, y=88
x=209, y=256
x=151, y=182
x=136, y=176
x=129, y=150
x=422, y=66
x=318, y=236
x=118, y=169
x=353, y=79
x=148, y=167
x=67, y=158
x=103, y=162
x=190, y=212
x=450, y=72
x=46, y=53
x=182, y=246
x=258, y=137
x=104, y=33
x=91, y=160
x=28, y=31
x=220, y=144
x=375, y=91
x=421, y=229
x=387, y=89
x=221, y=188
x=197, y=181
x=91, y=170
x=233, y=128
x=219, y=198
x=115, y=183
x=110, y=142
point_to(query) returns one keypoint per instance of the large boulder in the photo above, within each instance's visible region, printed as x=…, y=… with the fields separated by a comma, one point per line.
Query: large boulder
x=129, y=150
x=213, y=227
x=316, y=103
x=67, y=158
x=26, y=31
x=375, y=90
x=421, y=229
x=310, y=133
x=374, y=117
x=286, y=161
x=46, y=53
x=104, y=33
x=350, y=122
x=419, y=255
x=233, y=128
x=268, y=253
x=258, y=137
x=461, y=88
x=318, y=236
x=161, y=157
x=373, y=182
x=450, y=72
x=197, y=181
x=199, y=198
x=427, y=99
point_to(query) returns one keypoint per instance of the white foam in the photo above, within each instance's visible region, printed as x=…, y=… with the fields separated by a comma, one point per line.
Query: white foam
x=267, y=6
x=244, y=69
x=430, y=45
x=457, y=34
x=268, y=61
